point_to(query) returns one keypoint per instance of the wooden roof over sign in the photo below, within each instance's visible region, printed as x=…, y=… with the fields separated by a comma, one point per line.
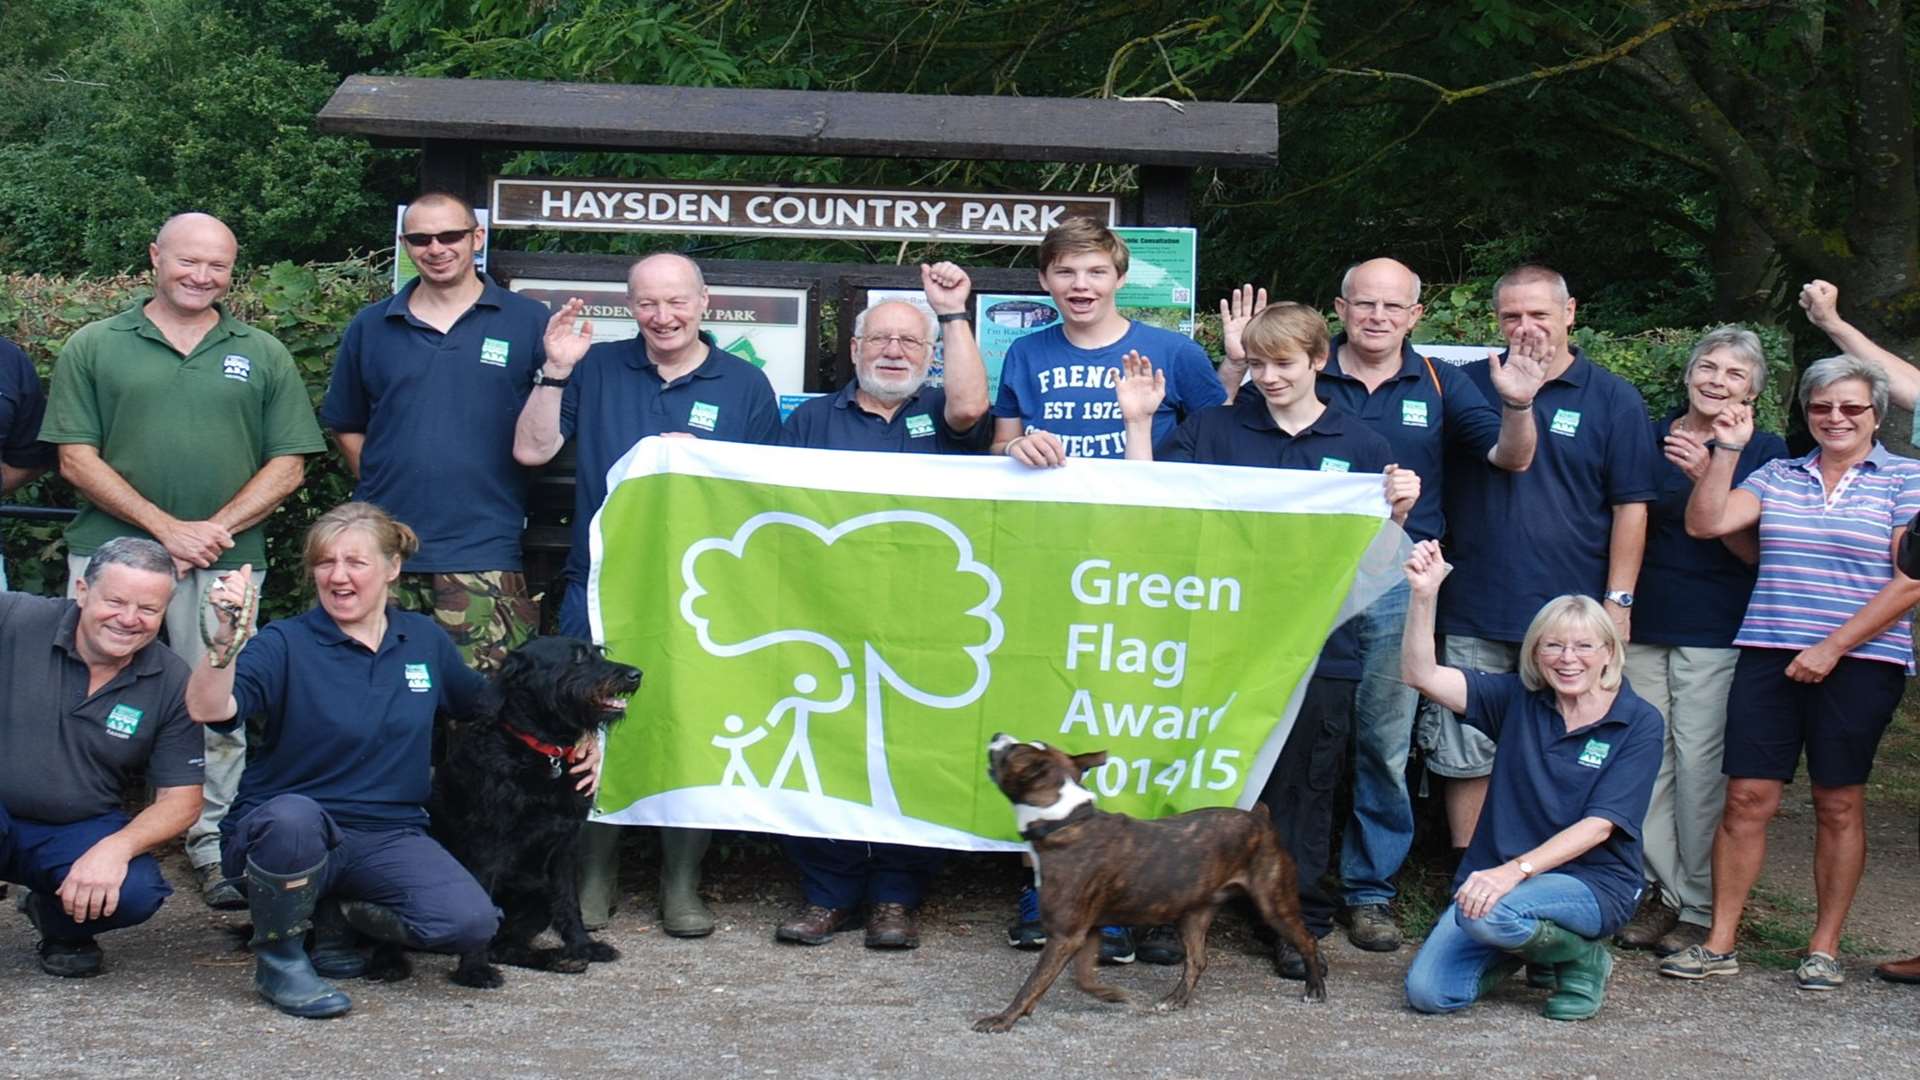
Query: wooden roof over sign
x=671, y=119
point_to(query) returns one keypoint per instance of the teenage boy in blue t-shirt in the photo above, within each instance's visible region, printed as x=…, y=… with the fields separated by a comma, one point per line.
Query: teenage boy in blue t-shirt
x=1279, y=422
x=1056, y=386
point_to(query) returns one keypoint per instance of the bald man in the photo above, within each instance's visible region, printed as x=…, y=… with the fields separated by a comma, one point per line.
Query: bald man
x=181, y=424
x=1427, y=410
x=671, y=380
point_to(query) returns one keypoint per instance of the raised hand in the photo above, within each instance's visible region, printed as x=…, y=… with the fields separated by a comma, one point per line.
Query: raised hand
x=1733, y=425
x=1236, y=311
x=1524, y=371
x=1426, y=568
x=229, y=598
x=1688, y=454
x=1403, y=490
x=947, y=287
x=568, y=337
x=1821, y=301
x=1141, y=388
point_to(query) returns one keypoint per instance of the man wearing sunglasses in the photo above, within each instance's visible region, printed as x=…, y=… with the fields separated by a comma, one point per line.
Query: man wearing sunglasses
x=426, y=387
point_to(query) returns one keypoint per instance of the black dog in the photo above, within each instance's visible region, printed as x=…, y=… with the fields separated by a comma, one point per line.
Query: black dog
x=505, y=803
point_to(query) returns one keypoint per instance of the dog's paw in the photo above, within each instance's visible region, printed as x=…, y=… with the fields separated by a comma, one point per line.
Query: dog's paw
x=565, y=964
x=388, y=964
x=997, y=1024
x=601, y=953
x=479, y=976
x=1174, y=1000
x=1315, y=993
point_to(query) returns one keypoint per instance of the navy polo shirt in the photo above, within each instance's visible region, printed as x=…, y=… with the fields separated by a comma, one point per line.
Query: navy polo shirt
x=616, y=398
x=1243, y=433
x=350, y=729
x=1522, y=538
x=438, y=412
x=23, y=403
x=919, y=425
x=1545, y=778
x=1425, y=410
x=1692, y=592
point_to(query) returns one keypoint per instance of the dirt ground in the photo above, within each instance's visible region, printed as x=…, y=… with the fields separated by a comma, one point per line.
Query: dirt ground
x=176, y=1001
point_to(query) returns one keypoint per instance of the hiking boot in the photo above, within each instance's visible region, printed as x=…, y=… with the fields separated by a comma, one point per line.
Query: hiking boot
x=1900, y=971
x=1289, y=964
x=219, y=891
x=814, y=925
x=79, y=958
x=1699, y=962
x=892, y=926
x=1581, y=966
x=1116, y=945
x=1819, y=972
x=1161, y=945
x=1678, y=938
x=1646, y=929
x=1371, y=927
x=1026, y=930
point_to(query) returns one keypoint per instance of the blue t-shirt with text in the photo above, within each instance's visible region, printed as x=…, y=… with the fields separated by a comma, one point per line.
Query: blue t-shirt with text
x=1050, y=384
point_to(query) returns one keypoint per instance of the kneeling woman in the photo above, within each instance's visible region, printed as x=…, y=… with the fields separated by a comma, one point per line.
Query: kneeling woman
x=332, y=803
x=1554, y=866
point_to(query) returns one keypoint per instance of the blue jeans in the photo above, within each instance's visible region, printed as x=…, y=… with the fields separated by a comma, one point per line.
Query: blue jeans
x=1445, y=973
x=848, y=873
x=573, y=611
x=39, y=855
x=1380, y=831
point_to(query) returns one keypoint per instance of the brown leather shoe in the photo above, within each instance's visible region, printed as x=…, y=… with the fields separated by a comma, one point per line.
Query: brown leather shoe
x=814, y=925
x=1649, y=926
x=1900, y=971
x=892, y=926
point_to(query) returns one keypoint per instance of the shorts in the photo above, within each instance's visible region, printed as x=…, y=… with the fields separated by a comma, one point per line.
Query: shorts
x=1453, y=748
x=1838, y=721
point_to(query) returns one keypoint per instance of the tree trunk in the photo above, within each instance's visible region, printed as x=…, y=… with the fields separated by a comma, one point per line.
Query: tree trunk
x=1745, y=264
x=1882, y=282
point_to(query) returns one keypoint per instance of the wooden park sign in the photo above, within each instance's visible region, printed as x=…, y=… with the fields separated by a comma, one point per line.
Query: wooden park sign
x=786, y=210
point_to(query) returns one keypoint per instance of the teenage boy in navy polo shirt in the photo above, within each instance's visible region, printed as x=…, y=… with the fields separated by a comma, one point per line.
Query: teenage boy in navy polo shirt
x=1279, y=422
x=1056, y=386
x=1424, y=409
x=426, y=388
x=1574, y=522
x=888, y=408
x=670, y=380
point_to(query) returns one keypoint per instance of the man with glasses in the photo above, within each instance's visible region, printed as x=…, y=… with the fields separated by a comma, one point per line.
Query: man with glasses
x=671, y=380
x=889, y=408
x=182, y=424
x=1423, y=409
x=426, y=388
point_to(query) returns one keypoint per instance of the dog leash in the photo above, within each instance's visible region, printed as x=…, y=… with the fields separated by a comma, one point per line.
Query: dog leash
x=243, y=614
x=555, y=754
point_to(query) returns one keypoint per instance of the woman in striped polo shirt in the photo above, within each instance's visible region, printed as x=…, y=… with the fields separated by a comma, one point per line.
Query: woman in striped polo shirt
x=1826, y=646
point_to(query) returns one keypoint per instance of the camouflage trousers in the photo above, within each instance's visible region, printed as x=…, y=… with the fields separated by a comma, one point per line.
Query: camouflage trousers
x=487, y=614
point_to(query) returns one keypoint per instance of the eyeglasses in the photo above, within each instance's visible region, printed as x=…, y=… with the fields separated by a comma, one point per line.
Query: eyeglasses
x=907, y=342
x=1582, y=649
x=1828, y=408
x=1388, y=308
x=447, y=239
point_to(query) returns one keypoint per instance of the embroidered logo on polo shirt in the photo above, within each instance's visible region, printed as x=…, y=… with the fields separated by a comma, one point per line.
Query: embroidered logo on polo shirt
x=419, y=680
x=919, y=426
x=704, y=416
x=1595, y=754
x=493, y=351
x=1413, y=414
x=123, y=721
x=235, y=366
x=1565, y=422
x=1334, y=464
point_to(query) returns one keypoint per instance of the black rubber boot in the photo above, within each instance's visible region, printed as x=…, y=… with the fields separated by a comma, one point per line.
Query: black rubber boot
x=282, y=908
x=335, y=951
x=377, y=921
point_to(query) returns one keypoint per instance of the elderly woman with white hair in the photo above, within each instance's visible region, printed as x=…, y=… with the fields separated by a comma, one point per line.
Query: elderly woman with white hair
x=1692, y=595
x=1554, y=866
x=1825, y=648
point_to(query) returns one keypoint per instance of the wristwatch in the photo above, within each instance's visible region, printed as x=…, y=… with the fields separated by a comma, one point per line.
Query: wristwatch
x=1526, y=868
x=1615, y=596
x=548, y=380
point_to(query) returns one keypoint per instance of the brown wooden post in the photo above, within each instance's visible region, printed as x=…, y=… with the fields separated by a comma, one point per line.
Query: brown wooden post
x=447, y=165
x=1164, y=194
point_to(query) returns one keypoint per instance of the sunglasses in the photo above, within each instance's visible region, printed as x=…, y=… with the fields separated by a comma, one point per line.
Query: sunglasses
x=447, y=239
x=1828, y=408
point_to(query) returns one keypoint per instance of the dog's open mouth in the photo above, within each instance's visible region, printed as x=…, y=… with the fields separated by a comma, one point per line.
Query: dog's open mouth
x=613, y=704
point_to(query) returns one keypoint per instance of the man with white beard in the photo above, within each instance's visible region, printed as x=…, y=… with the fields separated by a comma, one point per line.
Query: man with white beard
x=888, y=407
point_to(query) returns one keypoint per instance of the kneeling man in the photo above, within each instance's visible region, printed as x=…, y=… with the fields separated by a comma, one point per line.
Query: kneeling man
x=90, y=697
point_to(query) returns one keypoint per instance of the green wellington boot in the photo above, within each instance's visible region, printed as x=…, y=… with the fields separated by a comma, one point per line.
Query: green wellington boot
x=599, y=879
x=282, y=907
x=1581, y=965
x=682, y=912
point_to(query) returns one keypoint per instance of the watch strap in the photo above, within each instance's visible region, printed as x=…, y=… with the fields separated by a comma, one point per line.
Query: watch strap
x=953, y=316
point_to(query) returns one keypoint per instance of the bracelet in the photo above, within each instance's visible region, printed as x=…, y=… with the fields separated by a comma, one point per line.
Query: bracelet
x=1010, y=443
x=951, y=316
x=1516, y=408
x=1735, y=447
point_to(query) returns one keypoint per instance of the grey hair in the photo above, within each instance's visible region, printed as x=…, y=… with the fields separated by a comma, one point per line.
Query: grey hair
x=933, y=324
x=1824, y=373
x=1346, y=281
x=129, y=551
x=1745, y=346
x=1527, y=275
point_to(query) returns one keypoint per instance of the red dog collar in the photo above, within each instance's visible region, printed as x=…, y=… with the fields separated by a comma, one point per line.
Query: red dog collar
x=570, y=754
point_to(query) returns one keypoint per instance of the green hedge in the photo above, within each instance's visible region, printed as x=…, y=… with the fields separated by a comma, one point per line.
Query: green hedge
x=307, y=307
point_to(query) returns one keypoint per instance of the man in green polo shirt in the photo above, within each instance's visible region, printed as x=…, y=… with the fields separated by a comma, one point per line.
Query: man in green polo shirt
x=185, y=426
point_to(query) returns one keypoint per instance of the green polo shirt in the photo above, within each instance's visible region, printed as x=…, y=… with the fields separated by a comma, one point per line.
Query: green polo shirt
x=187, y=432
